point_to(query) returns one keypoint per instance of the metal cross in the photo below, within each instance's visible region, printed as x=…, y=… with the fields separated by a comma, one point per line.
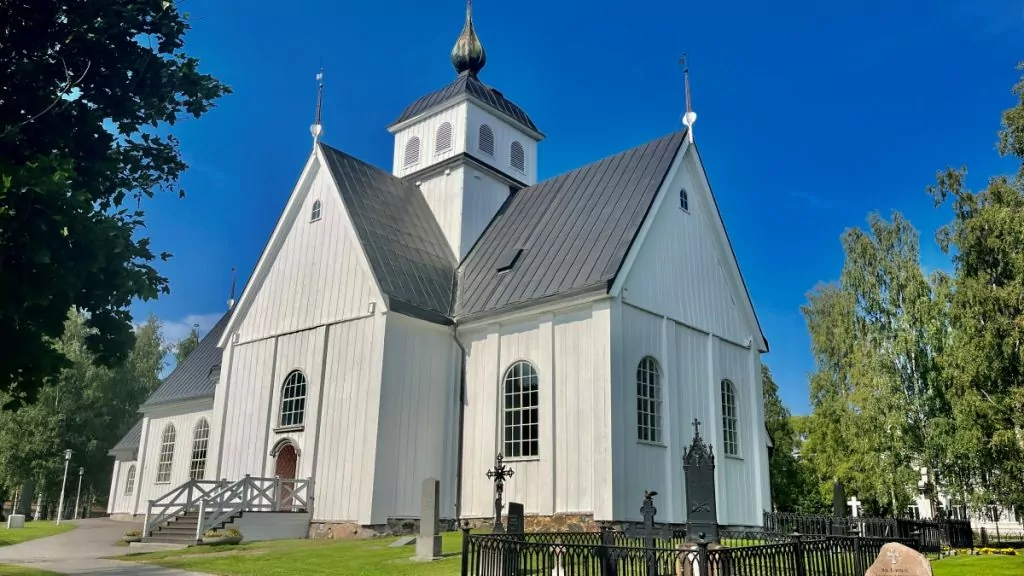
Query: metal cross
x=649, y=532
x=696, y=427
x=499, y=474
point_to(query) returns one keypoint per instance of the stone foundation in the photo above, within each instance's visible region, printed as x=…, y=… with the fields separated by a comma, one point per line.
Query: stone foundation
x=126, y=517
x=355, y=531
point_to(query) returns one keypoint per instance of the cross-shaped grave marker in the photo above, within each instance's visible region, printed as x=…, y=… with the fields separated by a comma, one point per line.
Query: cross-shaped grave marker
x=893, y=555
x=499, y=474
x=854, y=505
x=649, y=532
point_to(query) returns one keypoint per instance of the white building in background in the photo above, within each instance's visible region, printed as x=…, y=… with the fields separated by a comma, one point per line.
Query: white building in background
x=994, y=519
x=414, y=323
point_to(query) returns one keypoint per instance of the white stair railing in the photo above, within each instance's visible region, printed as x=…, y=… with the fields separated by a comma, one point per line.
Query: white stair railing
x=178, y=501
x=253, y=495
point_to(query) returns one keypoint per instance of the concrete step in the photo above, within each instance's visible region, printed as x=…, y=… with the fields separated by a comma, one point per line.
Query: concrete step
x=139, y=547
x=175, y=529
x=168, y=539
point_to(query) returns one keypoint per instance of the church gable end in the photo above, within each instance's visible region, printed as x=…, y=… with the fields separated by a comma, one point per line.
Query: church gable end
x=683, y=266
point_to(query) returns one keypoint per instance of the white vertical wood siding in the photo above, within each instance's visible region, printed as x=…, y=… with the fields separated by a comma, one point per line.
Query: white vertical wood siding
x=443, y=193
x=301, y=351
x=679, y=269
x=570, y=352
x=119, y=502
x=504, y=135
x=317, y=276
x=426, y=130
x=739, y=475
x=184, y=419
x=419, y=417
x=483, y=195
x=347, y=445
x=245, y=420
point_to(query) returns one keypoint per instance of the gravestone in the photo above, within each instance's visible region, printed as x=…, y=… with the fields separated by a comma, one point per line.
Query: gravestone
x=516, y=518
x=699, y=469
x=649, y=532
x=838, y=509
x=16, y=521
x=428, y=543
x=898, y=560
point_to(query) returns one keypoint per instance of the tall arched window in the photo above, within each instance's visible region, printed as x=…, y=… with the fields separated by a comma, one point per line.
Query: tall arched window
x=522, y=411
x=684, y=200
x=163, y=470
x=293, y=399
x=129, y=483
x=200, y=441
x=412, y=151
x=730, y=435
x=648, y=400
x=518, y=157
x=486, y=143
x=443, y=140
x=314, y=214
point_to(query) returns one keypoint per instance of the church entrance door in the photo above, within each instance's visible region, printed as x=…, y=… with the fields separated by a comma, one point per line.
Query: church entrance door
x=285, y=469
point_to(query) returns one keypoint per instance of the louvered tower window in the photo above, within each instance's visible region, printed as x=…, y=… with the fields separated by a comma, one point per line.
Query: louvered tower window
x=486, y=143
x=518, y=157
x=412, y=151
x=443, y=141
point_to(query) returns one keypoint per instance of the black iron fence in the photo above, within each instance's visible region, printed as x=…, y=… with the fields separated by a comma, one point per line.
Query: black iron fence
x=931, y=535
x=610, y=553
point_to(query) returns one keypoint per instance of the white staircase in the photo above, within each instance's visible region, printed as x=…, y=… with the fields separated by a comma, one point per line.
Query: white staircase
x=184, y=514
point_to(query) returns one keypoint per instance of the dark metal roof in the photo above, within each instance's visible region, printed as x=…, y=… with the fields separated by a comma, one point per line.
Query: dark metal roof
x=468, y=83
x=191, y=379
x=575, y=230
x=407, y=250
x=131, y=439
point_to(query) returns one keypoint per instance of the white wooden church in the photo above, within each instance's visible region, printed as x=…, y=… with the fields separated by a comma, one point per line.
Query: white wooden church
x=414, y=323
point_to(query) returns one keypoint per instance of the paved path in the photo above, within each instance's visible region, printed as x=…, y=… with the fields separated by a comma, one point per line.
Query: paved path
x=81, y=551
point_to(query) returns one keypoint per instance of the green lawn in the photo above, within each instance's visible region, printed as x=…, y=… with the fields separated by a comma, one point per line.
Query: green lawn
x=311, y=557
x=6, y=570
x=31, y=531
x=973, y=565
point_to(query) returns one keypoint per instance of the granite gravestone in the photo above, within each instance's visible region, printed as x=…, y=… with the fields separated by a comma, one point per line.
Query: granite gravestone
x=699, y=469
x=16, y=521
x=428, y=543
x=898, y=560
x=839, y=524
x=516, y=518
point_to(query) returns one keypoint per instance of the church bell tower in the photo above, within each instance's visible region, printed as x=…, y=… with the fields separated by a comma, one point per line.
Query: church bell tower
x=466, y=146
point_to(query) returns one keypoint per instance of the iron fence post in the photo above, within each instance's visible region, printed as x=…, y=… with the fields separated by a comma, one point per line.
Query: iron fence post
x=798, y=555
x=607, y=566
x=858, y=566
x=702, y=555
x=465, y=548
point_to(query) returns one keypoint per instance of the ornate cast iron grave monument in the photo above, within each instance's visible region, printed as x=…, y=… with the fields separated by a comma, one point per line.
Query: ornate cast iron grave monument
x=499, y=474
x=699, y=469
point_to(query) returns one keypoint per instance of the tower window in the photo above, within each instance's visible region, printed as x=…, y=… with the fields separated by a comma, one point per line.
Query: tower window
x=315, y=213
x=443, y=141
x=684, y=200
x=518, y=156
x=412, y=151
x=486, y=144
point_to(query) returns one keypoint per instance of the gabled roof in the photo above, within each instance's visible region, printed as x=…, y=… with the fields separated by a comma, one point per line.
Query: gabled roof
x=191, y=379
x=130, y=441
x=468, y=83
x=574, y=231
x=406, y=249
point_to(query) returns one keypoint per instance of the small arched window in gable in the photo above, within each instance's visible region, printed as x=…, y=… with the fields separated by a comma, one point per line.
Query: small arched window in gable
x=648, y=400
x=684, y=200
x=730, y=434
x=200, y=442
x=486, y=143
x=316, y=212
x=443, y=141
x=412, y=151
x=293, y=399
x=518, y=157
x=129, y=484
x=163, y=470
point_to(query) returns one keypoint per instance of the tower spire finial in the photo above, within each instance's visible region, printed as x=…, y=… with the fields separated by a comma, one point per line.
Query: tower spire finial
x=468, y=54
x=231, y=299
x=317, y=129
x=690, y=116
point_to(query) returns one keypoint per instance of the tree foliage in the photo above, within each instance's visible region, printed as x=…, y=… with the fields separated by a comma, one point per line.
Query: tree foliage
x=90, y=90
x=186, y=345
x=789, y=478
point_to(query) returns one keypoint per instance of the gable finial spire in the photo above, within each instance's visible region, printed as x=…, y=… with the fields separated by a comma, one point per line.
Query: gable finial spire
x=231, y=299
x=468, y=55
x=317, y=129
x=690, y=116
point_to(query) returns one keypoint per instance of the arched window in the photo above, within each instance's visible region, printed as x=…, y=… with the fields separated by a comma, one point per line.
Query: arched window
x=314, y=214
x=522, y=414
x=200, y=440
x=518, y=157
x=684, y=200
x=293, y=399
x=129, y=484
x=648, y=400
x=443, y=140
x=163, y=470
x=730, y=436
x=412, y=151
x=486, y=143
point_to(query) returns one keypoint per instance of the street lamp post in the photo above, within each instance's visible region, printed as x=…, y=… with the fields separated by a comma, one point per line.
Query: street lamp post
x=60, y=505
x=79, y=494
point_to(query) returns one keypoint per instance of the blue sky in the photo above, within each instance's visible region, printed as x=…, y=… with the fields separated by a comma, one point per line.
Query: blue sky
x=811, y=115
